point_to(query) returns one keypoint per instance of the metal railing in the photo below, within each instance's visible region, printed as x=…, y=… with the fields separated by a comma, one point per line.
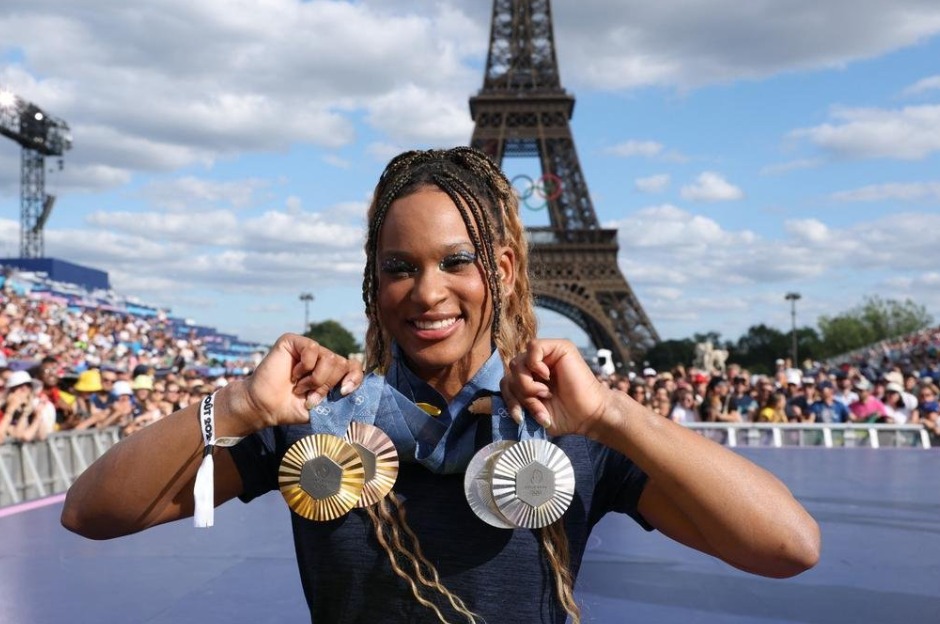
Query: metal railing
x=828, y=435
x=36, y=469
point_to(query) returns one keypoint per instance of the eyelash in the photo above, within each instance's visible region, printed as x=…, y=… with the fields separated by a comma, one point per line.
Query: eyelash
x=453, y=262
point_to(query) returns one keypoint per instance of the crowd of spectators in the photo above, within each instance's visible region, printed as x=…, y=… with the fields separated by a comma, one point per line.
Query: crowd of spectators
x=68, y=367
x=892, y=383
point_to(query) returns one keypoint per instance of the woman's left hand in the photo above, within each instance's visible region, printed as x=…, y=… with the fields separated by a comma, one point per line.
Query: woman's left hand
x=551, y=381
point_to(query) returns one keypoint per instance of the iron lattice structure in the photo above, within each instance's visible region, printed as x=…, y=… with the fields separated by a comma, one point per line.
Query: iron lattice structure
x=523, y=111
x=40, y=135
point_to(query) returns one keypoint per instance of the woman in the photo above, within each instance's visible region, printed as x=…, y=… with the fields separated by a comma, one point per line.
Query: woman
x=775, y=409
x=449, y=306
x=22, y=409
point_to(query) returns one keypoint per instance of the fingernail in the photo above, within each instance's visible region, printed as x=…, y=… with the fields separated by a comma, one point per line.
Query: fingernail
x=313, y=399
x=346, y=388
x=516, y=413
x=544, y=419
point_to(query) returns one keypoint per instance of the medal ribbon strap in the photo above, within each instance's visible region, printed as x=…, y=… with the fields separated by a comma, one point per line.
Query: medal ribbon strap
x=204, y=491
x=440, y=446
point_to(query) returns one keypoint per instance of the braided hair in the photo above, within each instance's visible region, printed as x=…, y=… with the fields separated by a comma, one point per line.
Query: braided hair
x=490, y=211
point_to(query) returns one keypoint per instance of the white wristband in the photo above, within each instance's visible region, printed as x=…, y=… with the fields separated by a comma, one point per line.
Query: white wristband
x=204, y=492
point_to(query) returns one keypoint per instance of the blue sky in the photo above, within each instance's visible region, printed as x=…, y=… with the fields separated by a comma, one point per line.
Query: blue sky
x=225, y=151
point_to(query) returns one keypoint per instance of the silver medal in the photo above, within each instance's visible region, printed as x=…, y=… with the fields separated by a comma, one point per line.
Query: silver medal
x=533, y=483
x=477, y=484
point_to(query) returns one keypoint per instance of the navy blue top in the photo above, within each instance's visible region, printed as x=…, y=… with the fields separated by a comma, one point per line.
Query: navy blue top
x=500, y=574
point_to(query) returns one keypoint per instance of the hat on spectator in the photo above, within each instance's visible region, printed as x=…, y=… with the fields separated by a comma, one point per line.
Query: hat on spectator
x=141, y=369
x=894, y=387
x=666, y=375
x=220, y=382
x=21, y=378
x=142, y=382
x=779, y=362
x=699, y=378
x=809, y=381
x=794, y=378
x=861, y=384
x=825, y=384
x=649, y=372
x=89, y=381
x=894, y=377
x=122, y=388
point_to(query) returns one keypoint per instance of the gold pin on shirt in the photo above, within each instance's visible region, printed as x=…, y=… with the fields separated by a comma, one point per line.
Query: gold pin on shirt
x=431, y=410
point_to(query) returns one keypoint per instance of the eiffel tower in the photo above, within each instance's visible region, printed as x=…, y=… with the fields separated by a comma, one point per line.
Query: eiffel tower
x=523, y=111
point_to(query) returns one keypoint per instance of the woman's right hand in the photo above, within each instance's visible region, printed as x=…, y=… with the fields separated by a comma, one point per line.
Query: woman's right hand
x=293, y=377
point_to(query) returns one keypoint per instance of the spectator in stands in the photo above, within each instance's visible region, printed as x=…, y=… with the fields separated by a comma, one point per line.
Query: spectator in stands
x=798, y=405
x=52, y=406
x=87, y=390
x=775, y=409
x=640, y=392
x=844, y=393
x=867, y=408
x=716, y=406
x=827, y=409
x=741, y=400
x=684, y=409
x=895, y=408
x=25, y=409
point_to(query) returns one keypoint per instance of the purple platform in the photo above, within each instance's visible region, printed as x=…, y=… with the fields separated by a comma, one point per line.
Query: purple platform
x=879, y=511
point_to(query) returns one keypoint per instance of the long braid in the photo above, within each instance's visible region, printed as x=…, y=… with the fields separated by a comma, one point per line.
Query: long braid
x=490, y=211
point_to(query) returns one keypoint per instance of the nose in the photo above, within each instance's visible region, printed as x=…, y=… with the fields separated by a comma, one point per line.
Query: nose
x=430, y=288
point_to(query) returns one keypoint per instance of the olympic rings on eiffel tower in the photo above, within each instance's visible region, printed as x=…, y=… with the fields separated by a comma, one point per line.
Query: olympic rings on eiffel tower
x=535, y=194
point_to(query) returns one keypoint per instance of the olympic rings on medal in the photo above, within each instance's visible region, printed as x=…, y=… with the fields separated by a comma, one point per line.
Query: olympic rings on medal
x=536, y=194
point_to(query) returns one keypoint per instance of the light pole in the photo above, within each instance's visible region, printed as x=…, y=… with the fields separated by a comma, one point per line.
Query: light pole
x=793, y=297
x=306, y=298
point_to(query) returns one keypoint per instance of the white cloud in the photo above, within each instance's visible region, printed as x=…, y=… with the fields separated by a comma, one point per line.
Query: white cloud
x=188, y=192
x=711, y=186
x=734, y=271
x=625, y=44
x=792, y=165
x=908, y=191
x=652, y=184
x=911, y=133
x=923, y=85
x=633, y=147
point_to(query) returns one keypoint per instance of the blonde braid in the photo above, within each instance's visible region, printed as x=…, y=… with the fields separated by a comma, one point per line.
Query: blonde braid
x=380, y=536
x=490, y=209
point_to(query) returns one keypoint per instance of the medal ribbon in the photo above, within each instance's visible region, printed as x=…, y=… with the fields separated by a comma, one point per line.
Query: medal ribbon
x=443, y=444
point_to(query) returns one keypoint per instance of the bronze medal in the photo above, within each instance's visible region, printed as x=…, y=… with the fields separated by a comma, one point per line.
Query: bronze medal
x=379, y=459
x=321, y=477
x=478, y=484
x=533, y=483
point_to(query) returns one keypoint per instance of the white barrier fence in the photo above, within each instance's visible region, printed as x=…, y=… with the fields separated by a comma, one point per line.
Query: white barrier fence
x=37, y=469
x=829, y=435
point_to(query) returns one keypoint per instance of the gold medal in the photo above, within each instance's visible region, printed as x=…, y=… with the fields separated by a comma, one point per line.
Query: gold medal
x=321, y=477
x=533, y=483
x=379, y=458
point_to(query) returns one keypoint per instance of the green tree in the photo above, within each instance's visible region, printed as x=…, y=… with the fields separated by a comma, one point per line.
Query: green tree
x=334, y=337
x=667, y=353
x=760, y=346
x=874, y=320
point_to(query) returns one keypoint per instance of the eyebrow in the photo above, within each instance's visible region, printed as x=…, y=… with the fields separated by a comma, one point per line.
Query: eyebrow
x=443, y=249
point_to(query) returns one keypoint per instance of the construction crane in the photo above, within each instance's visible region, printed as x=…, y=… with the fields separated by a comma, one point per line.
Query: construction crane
x=40, y=135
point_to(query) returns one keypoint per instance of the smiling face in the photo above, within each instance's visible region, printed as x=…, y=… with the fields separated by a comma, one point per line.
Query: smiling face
x=432, y=294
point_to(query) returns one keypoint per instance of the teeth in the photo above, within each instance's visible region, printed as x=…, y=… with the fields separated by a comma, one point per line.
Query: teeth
x=435, y=324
